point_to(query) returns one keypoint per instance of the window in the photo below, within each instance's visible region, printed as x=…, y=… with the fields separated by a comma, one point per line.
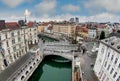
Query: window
x=0, y=38
x=108, y=67
x=13, y=41
x=19, y=39
x=21, y=51
x=108, y=54
x=18, y=32
x=105, y=64
x=7, y=43
x=116, y=60
x=107, y=79
x=9, y=51
x=114, y=74
x=112, y=57
x=102, y=50
x=118, y=79
x=12, y=34
x=6, y=36
x=14, y=48
x=0, y=45
x=119, y=65
x=111, y=71
x=19, y=46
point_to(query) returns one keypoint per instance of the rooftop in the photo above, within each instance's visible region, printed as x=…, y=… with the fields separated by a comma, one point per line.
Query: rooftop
x=12, y=25
x=30, y=24
x=112, y=42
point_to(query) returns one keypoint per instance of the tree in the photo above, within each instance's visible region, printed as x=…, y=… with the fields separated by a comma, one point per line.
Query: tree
x=102, y=35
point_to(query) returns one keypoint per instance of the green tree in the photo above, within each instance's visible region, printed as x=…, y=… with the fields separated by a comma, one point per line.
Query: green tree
x=102, y=35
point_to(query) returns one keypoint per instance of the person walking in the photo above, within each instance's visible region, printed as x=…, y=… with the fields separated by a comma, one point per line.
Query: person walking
x=84, y=49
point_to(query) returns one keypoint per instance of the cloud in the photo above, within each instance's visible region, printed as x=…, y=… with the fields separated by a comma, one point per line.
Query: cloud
x=14, y=3
x=108, y=5
x=102, y=17
x=46, y=7
x=71, y=8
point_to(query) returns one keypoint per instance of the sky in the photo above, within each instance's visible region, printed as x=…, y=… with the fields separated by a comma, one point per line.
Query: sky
x=58, y=10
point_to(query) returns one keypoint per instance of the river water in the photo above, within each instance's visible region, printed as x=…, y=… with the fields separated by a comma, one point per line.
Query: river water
x=52, y=70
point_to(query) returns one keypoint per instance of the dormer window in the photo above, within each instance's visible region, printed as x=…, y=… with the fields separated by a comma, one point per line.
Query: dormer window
x=118, y=47
x=112, y=43
x=106, y=40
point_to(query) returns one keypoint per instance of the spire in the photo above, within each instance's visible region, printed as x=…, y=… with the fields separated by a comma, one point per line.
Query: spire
x=25, y=20
x=27, y=14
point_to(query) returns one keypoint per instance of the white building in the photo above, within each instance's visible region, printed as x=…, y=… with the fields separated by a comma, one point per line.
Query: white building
x=14, y=42
x=107, y=65
x=92, y=32
x=32, y=33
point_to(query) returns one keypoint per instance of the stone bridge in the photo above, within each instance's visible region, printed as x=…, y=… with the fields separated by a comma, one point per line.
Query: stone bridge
x=63, y=49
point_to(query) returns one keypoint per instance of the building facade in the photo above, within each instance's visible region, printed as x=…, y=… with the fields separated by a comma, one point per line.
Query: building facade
x=68, y=30
x=107, y=65
x=14, y=40
x=32, y=33
x=92, y=32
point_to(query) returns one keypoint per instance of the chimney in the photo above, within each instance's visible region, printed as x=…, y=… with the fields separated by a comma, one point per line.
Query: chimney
x=2, y=24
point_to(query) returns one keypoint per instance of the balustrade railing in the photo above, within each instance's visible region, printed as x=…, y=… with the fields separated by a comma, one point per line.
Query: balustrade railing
x=20, y=70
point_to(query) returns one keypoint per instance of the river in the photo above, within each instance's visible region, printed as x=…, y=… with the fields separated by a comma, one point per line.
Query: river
x=52, y=70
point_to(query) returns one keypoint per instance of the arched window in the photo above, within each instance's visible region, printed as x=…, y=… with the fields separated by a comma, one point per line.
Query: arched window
x=22, y=77
x=26, y=72
x=30, y=67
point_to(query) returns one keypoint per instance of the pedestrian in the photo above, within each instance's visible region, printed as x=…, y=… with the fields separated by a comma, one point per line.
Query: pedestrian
x=83, y=49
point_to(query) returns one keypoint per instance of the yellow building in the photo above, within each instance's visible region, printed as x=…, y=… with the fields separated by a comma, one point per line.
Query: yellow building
x=67, y=29
x=40, y=28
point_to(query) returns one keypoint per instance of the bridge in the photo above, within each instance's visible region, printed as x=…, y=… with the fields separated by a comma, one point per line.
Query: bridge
x=61, y=48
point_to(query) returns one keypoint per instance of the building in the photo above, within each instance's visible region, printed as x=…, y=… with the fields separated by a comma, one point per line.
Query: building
x=76, y=20
x=14, y=41
x=71, y=20
x=66, y=29
x=102, y=27
x=32, y=33
x=45, y=27
x=107, y=65
x=92, y=31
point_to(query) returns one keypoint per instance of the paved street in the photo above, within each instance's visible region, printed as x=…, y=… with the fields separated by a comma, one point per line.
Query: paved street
x=86, y=61
x=14, y=67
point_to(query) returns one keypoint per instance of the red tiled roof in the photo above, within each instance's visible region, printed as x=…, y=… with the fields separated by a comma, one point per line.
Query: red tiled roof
x=81, y=29
x=85, y=29
x=101, y=26
x=12, y=25
x=30, y=24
